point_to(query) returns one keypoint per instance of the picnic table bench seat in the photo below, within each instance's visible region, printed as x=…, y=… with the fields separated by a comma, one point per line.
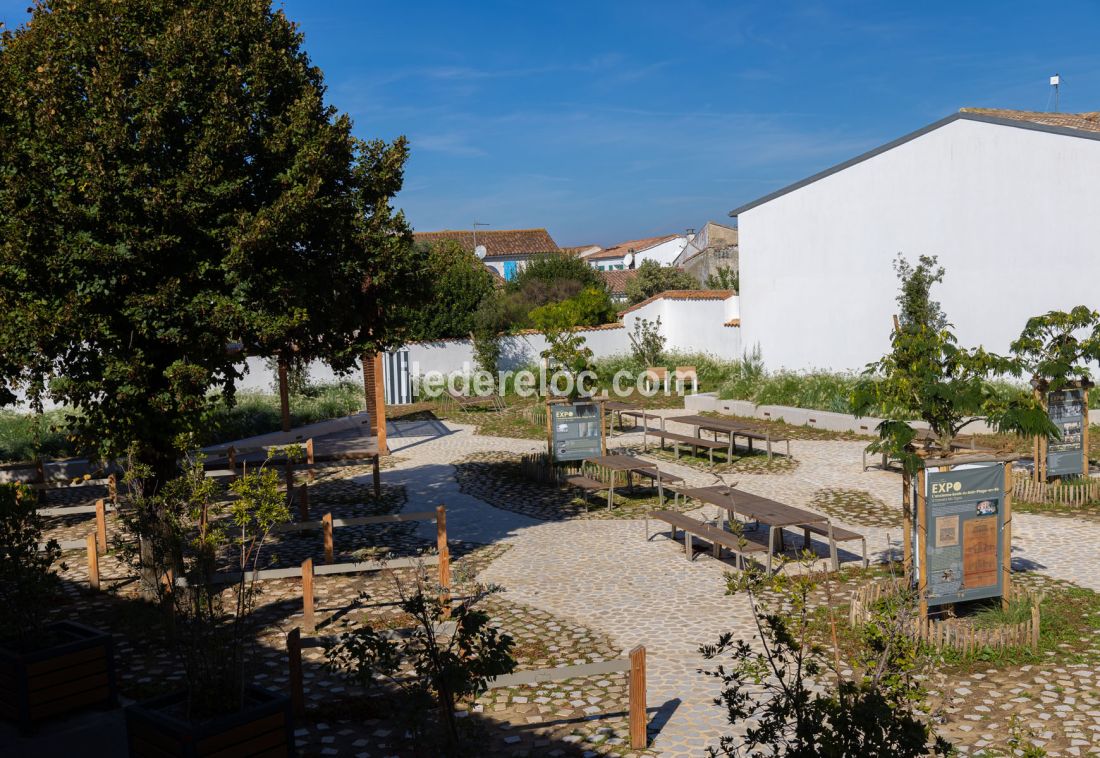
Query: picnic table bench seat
x=587, y=485
x=718, y=538
x=838, y=535
x=683, y=439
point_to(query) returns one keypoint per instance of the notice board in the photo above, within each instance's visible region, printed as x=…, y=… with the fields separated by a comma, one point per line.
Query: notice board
x=1067, y=411
x=964, y=542
x=576, y=430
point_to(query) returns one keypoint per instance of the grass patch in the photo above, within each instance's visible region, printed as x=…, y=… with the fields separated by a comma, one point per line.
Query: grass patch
x=22, y=434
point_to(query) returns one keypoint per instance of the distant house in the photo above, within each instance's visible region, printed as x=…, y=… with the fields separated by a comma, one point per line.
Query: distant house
x=713, y=247
x=616, y=283
x=663, y=249
x=582, y=251
x=506, y=250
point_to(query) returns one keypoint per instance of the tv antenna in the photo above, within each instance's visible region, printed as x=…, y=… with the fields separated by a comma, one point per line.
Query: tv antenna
x=476, y=225
x=1056, y=83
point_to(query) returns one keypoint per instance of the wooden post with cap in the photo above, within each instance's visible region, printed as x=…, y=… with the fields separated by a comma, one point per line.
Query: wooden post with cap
x=444, y=559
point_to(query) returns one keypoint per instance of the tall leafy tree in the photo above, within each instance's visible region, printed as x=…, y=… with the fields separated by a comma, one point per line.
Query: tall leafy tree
x=1059, y=346
x=171, y=182
x=457, y=282
x=653, y=278
x=927, y=376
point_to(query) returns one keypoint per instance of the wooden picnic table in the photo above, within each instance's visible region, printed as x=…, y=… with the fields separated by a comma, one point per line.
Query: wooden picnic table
x=731, y=429
x=739, y=505
x=960, y=443
x=630, y=465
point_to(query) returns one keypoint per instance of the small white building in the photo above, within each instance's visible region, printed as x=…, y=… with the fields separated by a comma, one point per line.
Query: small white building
x=664, y=250
x=1008, y=200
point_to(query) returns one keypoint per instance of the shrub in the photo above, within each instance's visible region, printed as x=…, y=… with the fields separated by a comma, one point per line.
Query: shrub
x=28, y=587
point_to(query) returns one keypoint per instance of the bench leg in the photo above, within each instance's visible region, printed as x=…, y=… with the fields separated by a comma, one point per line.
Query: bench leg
x=805, y=539
x=771, y=547
x=688, y=547
x=611, y=492
x=865, y=562
x=769, y=448
x=832, y=550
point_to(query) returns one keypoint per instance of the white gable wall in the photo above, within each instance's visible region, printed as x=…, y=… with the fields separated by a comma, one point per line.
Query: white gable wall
x=1013, y=214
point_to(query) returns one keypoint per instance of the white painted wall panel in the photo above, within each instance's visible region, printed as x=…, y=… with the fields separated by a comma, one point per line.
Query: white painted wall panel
x=1012, y=214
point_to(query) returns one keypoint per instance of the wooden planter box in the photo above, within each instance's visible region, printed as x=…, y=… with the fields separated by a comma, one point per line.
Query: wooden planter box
x=73, y=674
x=264, y=727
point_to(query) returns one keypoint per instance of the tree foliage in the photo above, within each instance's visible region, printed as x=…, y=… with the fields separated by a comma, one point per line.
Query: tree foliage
x=457, y=282
x=653, y=278
x=171, y=182
x=29, y=586
x=724, y=278
x=452, y=653
x=773, y=685
x=1059, y=346
x=646, y=342
x=928, y=376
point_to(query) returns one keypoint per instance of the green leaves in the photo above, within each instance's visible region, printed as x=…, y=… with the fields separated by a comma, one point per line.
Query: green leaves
x=172, y=181
x=652, y=278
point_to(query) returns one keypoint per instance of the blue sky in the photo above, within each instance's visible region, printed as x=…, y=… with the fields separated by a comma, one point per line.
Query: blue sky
x=605, y=121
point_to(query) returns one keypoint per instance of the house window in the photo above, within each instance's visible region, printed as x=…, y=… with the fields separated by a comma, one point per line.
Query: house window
x=510, y=269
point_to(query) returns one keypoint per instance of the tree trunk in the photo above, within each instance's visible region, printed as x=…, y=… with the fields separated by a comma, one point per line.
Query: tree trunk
x=284, y=394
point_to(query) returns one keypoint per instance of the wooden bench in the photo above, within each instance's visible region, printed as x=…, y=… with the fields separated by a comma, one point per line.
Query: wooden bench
x=837, y=534
x=718, y=538
x=683, y=439
x=586, y=485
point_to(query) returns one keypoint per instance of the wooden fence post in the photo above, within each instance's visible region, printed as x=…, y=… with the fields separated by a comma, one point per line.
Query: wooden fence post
x=638, y=739
x=307, y=594
x=309, y=459
x=294, y=661
x=101, y=525
x=444, y=559
x=303, y=503
x=93, y=563
x=326, y=530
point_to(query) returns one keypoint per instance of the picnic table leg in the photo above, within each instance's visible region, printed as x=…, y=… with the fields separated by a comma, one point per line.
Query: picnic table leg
x=771, y=547
x=611, y=491
x=864, y=541
x=769, y=442
x=832, y=550
x=805, y=539
x=688, y=547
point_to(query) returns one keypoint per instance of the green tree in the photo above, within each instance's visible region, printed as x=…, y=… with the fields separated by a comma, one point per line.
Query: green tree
x=927, y=376
x=589, y=307
x=554, y=276
x=724, y=278
x=1059, y=346
x=653, y=278
x=171, y=182
x=457, y=283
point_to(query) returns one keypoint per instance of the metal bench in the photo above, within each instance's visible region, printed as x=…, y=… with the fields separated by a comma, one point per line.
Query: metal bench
x=718, y=538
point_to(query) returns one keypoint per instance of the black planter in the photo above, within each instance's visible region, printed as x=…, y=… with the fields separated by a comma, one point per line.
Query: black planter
x=76, y=673
x=263, y=727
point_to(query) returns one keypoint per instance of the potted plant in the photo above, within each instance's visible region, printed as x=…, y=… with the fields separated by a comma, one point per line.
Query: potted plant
x=200, y=551
x=46, y=669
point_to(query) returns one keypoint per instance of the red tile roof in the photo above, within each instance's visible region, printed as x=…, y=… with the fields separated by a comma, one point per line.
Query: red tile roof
x=1085, y=122
x=616, y=280
x=621, y=249
x=498, y=243
x=682, y=295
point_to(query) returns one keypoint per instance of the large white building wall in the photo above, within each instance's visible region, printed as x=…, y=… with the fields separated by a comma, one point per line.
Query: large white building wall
x=1012, y=214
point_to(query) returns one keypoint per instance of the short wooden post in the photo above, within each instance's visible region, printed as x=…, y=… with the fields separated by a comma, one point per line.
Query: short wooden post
x=112, y=488
x=922, y=543
x=294, y=662
x=307, y=594
x=303, y=503
x=444, y=559
x=1006, y=558
x=101, y=524
x=1034, y=625
x=93, y=563
x=309, y=459
x=638, y=739
x=326, y=530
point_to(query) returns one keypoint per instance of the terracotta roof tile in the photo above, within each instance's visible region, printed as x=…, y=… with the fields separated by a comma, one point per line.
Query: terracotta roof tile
x=621, y=249
x=1085, y=122
x=682, y=295
x=498, y=242
x=616, y=280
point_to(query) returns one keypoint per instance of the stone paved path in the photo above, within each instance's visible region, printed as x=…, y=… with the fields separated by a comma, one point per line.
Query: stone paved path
x=606, y=576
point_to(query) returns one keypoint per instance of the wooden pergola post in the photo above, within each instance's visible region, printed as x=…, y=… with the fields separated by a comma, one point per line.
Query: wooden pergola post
x=374, y=388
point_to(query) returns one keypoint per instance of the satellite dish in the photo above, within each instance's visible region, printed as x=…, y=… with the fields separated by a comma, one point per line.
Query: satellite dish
x=480, y=252
x=628, y=260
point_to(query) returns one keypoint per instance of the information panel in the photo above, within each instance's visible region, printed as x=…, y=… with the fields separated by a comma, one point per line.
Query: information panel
x=576, y=431
x=1066, y=409
x=965, y=533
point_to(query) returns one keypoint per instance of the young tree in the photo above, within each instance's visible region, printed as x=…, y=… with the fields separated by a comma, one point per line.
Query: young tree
x=646, y=342
x=927, y=376
x=171, y=182
x=1059, y=346
x=653, y=278
x=589, y=307
x=790, y=691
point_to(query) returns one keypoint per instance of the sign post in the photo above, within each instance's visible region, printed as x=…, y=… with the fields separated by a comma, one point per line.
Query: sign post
x=1068, y=410
x=575, y=430
x=963, y=529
